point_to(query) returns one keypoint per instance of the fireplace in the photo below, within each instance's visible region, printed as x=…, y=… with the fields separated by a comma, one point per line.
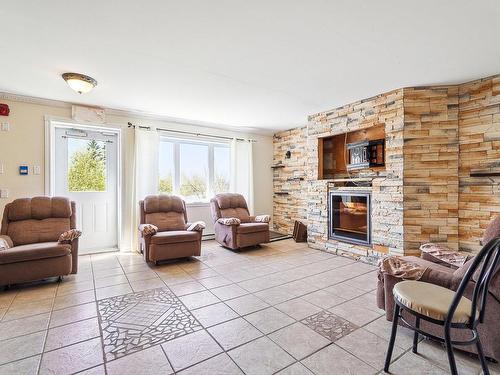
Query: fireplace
x=349, y=216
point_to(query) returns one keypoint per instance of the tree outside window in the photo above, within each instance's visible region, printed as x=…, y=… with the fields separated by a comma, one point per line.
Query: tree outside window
x=87, y=165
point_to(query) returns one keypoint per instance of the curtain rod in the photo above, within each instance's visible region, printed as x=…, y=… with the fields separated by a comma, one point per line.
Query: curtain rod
x=130, y=125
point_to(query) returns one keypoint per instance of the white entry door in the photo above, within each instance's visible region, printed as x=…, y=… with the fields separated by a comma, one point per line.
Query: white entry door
x=86, y=171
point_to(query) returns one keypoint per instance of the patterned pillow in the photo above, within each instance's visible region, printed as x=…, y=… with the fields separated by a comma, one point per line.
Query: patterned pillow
x=4, y=243
x=148, y=229
x=229, y=221
x=262, y=218
x=196, y=226
x=69, y=235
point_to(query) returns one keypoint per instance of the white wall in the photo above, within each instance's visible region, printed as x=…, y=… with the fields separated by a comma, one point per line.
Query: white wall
x=24, y=144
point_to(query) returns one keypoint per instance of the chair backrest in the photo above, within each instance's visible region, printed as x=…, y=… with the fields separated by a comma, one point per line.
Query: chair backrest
x=492, y=230
x=167, y=212
x=38, y=219
x=482, y=269
x=229, y=205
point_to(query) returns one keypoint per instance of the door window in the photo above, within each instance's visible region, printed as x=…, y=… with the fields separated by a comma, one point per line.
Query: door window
x=86, y=165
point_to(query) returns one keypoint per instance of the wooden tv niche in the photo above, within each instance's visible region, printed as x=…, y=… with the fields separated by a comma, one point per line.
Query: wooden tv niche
x=333, y=151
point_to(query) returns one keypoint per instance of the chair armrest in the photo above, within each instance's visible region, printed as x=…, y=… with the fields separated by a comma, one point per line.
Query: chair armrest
x=197, y=226
x=229, y=221
x=69, y=236
x=148, y=229
x=5, y=242
x=262, y=219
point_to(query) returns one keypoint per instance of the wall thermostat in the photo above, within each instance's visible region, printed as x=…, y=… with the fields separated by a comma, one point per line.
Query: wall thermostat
x=23, y=169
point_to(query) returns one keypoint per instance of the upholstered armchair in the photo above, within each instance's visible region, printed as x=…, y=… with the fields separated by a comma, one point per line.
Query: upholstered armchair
x=38, y=240
x=164, y=232
x=234, y=227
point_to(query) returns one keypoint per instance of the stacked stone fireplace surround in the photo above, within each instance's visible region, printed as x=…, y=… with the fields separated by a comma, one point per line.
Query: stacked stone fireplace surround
x=435, y=138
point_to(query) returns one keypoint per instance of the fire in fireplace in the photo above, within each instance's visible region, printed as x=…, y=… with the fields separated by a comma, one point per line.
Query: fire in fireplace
x=349, y=216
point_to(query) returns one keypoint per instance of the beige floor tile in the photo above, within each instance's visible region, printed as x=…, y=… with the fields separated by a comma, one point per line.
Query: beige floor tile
x=190, y=349
x=219, y=365
x=323, y=299
x=102, y=273
x=151, y=361
x=71, y=359
x=334, y=360
x=214, y=314
x=345, y=291
x=147, y=284
x=295, y=369
x=269, y=320
x=261, y=357
x=2, y=313
x=74, y=299
x=298, y=308
x=27, y=366
x=110, y=281
x=368, y=347
x=299, y=340
x=234, y=332
x=98, y=370
x=28, y=309
x=7, y=297
x=200, y=299
x=72, y=333
x=69, y=288
x=202, y=273
x=174, y=279
x=274, y=295
x=382, y=328
x=73, y=314
x=215, y=282
x=411, y=364
x=19, y=327
x=21, y=347
x=187, y=288
x=247, y=304
x=113, y=291
x=355, y=313
x=141, y=275
x=35, y=293
x=229, y=291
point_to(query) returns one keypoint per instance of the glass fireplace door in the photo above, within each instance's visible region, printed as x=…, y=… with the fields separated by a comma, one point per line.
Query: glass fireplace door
x=349, y=214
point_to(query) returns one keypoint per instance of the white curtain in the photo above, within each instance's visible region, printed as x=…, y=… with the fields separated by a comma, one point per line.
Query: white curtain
x=145, y=172
x=242, y=170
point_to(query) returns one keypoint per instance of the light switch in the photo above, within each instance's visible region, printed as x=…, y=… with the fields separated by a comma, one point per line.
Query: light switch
x=4, y=193
x=36, y=169
x=5, y=126
x=1, y=168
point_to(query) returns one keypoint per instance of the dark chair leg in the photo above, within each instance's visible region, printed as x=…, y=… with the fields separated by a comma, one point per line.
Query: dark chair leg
x=395, y=320
x=449, y=351
x=415, y=336
x=482, y=358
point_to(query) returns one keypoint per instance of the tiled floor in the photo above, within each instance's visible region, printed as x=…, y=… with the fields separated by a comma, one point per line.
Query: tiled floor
x=281, y=308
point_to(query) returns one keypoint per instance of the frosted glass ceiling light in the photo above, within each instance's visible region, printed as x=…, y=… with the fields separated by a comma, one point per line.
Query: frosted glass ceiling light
x=79, y=82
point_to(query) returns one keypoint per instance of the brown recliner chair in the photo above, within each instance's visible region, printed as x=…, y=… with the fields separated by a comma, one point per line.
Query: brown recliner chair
x=450, y=277
x=164, y=232
x=234, y=227
x=37, y=241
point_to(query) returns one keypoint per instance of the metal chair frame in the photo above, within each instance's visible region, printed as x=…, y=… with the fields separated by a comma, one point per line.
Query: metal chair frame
x=486, y=261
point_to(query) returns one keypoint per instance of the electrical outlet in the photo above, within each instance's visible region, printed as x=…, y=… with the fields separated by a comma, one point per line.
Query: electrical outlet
x=36, y=169
x=5, y=126
x=4, y=193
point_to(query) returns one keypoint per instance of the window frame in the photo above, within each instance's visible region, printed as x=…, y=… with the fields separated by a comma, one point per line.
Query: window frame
x=211, y=144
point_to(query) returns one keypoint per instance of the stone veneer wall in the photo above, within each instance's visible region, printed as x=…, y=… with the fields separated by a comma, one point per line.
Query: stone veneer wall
x=291, y=179
x=435, y=137
x=430, y=166
x=479, y=139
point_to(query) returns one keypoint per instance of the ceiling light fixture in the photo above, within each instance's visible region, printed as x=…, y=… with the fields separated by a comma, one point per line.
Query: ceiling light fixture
x=79, y=82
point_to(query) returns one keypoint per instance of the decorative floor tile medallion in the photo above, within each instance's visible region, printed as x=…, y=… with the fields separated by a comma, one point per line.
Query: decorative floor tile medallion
x=329, y=325
x=137, y=321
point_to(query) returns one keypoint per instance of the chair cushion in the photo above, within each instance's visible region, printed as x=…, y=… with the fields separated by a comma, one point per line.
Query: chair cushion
x=252, y=227
x=175, y=236
x=431, y=300
x=41, y=250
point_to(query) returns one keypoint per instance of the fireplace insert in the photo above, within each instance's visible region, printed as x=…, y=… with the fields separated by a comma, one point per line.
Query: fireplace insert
x=349, y=216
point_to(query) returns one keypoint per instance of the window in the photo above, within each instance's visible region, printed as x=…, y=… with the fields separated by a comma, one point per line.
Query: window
x=86, y=165
x=194, y=170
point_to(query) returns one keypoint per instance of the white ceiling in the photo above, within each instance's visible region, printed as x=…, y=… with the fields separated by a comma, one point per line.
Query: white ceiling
x=264, y=64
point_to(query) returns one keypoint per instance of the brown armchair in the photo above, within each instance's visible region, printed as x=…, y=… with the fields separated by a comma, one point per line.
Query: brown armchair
x=450, y=277
x=164, y=232
x=234, y=227
x=36, y=240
